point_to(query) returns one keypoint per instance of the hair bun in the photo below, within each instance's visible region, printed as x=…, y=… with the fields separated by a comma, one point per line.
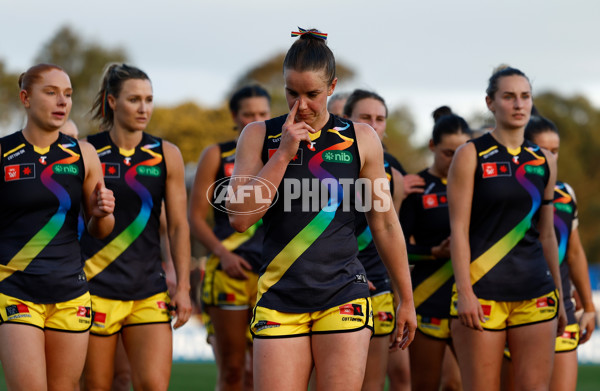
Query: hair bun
x=310, y=33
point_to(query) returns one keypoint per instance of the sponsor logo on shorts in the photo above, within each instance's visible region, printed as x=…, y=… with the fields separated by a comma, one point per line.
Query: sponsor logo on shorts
x=111, y=170
x=17, y=311
x=546, y=305
x=385, y=316
x=431, y=323
x=351, y=309
x=491, y=170
x=429, y=320
x=569, y=335
x=17, y=172
x=487, y=309
x=84, y=312
x=226, y=297
x=265, y=324
x=545, y=302
x=99, y=319
x=161, y=305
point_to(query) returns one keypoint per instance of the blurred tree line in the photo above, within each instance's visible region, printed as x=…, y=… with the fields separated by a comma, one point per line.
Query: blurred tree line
x=192, y=127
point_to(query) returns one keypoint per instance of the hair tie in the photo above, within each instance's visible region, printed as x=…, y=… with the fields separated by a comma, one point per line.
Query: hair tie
x=314, y=33
x=103, y=106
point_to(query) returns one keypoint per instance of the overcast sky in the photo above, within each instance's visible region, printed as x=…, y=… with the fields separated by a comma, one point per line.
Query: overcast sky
x=421, y=54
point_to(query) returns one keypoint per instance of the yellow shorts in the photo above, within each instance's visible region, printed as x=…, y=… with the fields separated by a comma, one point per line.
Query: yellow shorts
x=384, y=314
x=110, y=316
x=500, y=315
x=352, y=316
x=438, y=328
x=565, y=343
x=220, y=290
x=72, y=316
x=569, y=340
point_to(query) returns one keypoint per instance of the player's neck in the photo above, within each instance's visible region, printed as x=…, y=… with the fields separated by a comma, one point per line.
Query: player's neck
x=125, y=139
x=510, y=138
x=39, y=137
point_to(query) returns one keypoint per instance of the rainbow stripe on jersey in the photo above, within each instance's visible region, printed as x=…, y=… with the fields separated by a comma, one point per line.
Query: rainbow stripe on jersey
x=44, y=236
x=121, y=242
x=311, y=232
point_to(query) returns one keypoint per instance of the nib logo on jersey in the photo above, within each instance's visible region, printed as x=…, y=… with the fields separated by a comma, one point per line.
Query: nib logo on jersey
x=265, y=324
x=16, y=311
x=17, y=172
x=338, y=157
x=492, y=170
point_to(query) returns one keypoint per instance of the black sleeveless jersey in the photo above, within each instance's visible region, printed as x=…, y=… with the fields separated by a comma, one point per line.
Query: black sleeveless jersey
x=393, y=162
x=126, y=265
x=565, y=220
x=425, y=219
x=367, y=251
x=310, y=251
x=40, y=200
x=507, y=261
x=249, y=243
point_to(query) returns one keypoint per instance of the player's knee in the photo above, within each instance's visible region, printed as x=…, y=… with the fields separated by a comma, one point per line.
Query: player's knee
x=232, y=374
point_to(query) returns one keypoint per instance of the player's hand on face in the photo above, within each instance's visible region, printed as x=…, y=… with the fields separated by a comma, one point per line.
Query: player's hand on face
x=292, y=133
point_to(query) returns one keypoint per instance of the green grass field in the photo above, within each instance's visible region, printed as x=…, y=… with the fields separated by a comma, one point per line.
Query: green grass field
x=202, y=377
